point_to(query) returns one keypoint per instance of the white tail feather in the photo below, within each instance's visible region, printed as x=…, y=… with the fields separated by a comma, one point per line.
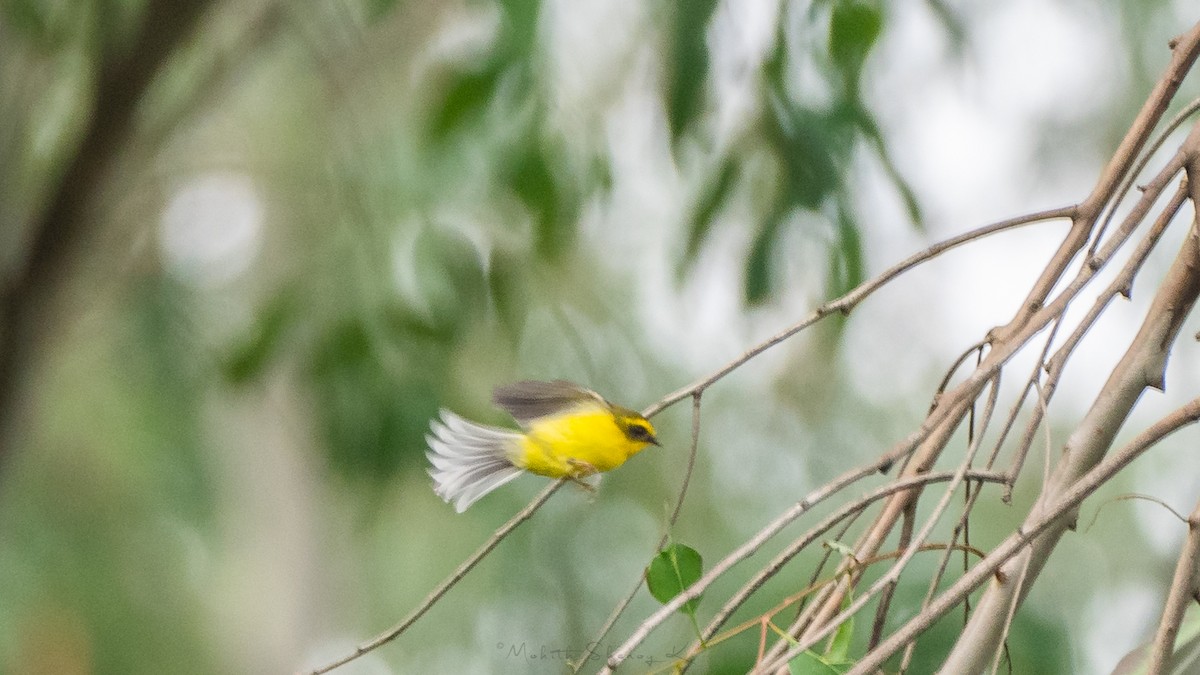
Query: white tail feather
x=469, y=460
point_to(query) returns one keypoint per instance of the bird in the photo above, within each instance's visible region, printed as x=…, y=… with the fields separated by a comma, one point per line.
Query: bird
x=566, y=431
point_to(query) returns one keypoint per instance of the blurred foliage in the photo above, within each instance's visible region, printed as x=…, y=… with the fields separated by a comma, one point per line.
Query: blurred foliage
x=219, y=464
x=689, y=63
x=811, y=143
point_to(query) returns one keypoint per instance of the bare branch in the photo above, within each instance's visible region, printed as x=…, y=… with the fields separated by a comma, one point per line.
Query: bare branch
x=27, y=299
x=1120, y=285
x=1177, y=121
x=943, y=421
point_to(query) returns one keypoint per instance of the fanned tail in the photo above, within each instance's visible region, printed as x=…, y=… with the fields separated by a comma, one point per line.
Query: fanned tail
x=469, y=460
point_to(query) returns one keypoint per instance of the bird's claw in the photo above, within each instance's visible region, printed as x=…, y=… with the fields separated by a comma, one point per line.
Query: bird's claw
x=580, y=471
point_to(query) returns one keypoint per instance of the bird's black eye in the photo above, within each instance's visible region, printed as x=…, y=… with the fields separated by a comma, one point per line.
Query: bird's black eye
x=638, y=432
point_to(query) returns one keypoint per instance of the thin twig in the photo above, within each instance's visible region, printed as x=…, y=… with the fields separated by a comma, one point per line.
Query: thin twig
x=847, y=302
x=1120, y=498
x=1006, y=626
x=1031, y=383
x=448, y=583
x=827, y=554
x=691, y=463
x=963, y=525
x=976, y=349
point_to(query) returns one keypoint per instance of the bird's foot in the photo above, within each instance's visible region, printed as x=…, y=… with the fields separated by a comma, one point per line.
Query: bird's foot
x=580, y=470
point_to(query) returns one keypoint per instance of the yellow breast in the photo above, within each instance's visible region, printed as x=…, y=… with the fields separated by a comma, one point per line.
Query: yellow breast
x=574, y=443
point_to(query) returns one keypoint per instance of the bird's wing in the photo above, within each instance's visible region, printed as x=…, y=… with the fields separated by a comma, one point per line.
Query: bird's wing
x=530, y=400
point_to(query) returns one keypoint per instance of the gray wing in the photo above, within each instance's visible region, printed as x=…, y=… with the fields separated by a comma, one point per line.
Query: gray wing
x=529, y=400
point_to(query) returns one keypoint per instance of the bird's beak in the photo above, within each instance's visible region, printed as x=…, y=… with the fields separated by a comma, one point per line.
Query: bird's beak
x=655, y=441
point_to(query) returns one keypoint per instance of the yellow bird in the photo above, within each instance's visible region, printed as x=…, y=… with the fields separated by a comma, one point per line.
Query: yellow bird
x=569, y=431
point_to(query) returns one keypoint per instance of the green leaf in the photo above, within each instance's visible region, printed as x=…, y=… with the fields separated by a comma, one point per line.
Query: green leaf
x=870, y=131
x=473, y=88
x=710, y=202
x=450, y=278
x=467, y=95
x=839, y=648
x=809, y=145
x=689, y=62
x=854, y=27
x=760, y=273
x=671, y=571
x=248, y=359
x=378, y=9
x=373, y=414
x=846, y=255
x=518, y=28
x=49, y=25
x=510, y=293
x=534, y=181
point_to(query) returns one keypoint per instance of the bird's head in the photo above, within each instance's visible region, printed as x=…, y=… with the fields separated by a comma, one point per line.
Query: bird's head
x=635, y=427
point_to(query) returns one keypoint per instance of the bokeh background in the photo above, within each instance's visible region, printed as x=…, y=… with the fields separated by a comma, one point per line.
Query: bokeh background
x=248, y=249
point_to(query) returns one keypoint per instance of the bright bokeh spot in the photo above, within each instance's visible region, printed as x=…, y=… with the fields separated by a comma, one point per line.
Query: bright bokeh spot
x=211, y=230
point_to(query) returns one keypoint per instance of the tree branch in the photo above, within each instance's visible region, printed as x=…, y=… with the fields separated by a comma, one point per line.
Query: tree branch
x=1185, y=584
x=27, y=299
x=1184, y=588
